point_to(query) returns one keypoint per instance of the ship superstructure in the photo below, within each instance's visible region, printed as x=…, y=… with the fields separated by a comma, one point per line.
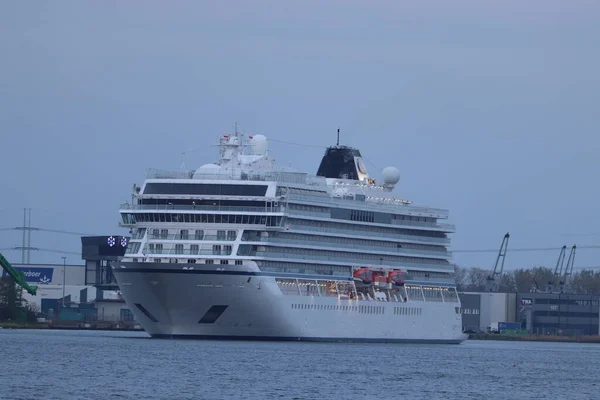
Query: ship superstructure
x=243, y=249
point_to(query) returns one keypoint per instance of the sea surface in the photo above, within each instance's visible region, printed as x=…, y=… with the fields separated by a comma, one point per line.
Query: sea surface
x=50, y=364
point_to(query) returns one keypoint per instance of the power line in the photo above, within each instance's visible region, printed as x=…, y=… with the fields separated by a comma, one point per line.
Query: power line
x=298, y=144
x=40, y=249
x=20, y=228
x=521, y=249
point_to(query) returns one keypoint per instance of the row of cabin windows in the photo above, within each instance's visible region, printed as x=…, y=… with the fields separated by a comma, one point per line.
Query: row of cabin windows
x=408, y=311
x=194, y=261
x=339, y=254
x=324, y=240
x=217, y=249
x=298, y=223
x=131, y=218
x=335, y=307
x=198, y=234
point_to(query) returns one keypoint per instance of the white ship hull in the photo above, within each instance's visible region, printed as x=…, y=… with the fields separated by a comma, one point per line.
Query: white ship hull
x=179, y=302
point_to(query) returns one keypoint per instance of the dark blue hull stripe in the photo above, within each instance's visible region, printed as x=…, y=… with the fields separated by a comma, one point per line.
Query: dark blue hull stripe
x=251, y=273
x=307, y=339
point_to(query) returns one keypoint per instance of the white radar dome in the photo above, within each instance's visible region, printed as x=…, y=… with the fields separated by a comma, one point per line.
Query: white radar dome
x=391, y=175
x=259, y=144
x=207, y=171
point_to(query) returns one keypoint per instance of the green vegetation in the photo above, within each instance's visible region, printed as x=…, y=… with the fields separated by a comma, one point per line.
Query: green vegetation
x=523, y=280
x=12, y=305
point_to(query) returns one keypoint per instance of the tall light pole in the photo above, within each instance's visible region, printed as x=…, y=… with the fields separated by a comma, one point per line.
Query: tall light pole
x=64, y=278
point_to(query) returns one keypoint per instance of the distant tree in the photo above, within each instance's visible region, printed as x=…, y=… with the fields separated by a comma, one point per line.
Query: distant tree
x=475, y=279
x=10, y=299
x=460, y=275
x=525, y=281
x=544, y=276
x=507, y=282
x=586, y=282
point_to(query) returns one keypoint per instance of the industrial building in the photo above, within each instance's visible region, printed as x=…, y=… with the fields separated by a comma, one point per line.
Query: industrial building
x=538, y=313
x=55, y=282
x=86, y=292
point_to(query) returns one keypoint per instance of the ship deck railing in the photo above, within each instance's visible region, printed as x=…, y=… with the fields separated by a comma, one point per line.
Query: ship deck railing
x=316, y=243
x=171, y=207
x=365, y=233
x=372, y=262
x=373, y=205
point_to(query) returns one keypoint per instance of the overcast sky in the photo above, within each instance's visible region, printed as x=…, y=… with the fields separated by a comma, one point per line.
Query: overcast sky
x=488, y=110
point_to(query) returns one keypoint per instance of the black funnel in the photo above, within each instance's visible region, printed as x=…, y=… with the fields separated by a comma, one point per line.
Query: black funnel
x=342, y=162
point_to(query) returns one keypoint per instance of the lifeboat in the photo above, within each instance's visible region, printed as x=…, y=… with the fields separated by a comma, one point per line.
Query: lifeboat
x=380, y=278
x=365, y=275
x=396, y=277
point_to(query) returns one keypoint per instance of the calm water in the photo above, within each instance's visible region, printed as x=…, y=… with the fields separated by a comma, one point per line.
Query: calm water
x=105, y=365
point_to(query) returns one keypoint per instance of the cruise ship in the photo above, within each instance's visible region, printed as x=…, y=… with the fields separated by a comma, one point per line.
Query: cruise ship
x=244, y=249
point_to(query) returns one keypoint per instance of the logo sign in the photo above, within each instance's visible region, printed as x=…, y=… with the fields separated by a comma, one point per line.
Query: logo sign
x=35, y=275
x=526, y=301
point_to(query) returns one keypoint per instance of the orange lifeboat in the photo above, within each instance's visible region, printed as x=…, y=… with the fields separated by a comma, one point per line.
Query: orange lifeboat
x=380, y=278
x=365, y=275
x=396, y=277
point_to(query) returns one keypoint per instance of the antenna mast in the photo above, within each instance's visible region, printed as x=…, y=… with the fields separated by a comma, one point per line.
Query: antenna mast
x=338, y=137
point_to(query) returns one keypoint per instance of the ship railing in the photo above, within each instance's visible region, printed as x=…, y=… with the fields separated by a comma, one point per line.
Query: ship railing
x=373, y=262
x=153, y=173
x=190, y=237
x=168, y=207
x=402, y=223
x=150, y=253
x=365, y=233
x=372, y=205
x=315, y=242
x=346, y=290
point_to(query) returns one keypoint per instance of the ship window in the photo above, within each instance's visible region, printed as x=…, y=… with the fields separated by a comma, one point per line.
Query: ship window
x=192, y=261
x=216, y=249
x=178, y=249
x=227, y=250
x=209, y=261
x=157, y=260
x=231, y=235
x=151, y=247
x=224, y=261
x=238, y=262
x=205, y=189
x=155, y=233
x=164, y=233
x=194, y=249
x=184, y=234
x=199, y=234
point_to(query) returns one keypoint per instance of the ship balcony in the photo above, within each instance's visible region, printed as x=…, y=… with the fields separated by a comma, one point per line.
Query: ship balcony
x=367, y=262
x=185, y=252
x=215, y=208
x=366, y=234
x=315, y=243
x=326, y=216
x=372, y=205
x=191, y=237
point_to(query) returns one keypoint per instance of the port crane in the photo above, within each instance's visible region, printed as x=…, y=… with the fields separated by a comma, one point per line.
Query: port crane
x=566, y=278
x=492, y=282
x=18, y=276
x=558, y=270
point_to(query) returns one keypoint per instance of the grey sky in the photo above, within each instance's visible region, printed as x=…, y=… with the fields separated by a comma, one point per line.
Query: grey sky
x=488, y=110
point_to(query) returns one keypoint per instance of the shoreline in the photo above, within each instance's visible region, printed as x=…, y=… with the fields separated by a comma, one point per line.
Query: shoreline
x=66, y=325
x=535, y=338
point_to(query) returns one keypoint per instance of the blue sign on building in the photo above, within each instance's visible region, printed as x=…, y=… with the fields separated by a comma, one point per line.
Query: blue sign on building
x=35, y=275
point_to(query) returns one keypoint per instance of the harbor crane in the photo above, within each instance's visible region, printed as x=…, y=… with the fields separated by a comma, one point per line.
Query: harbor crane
x=558, y=270
x=492, y=282
x=565, y=282
x=17, y=276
